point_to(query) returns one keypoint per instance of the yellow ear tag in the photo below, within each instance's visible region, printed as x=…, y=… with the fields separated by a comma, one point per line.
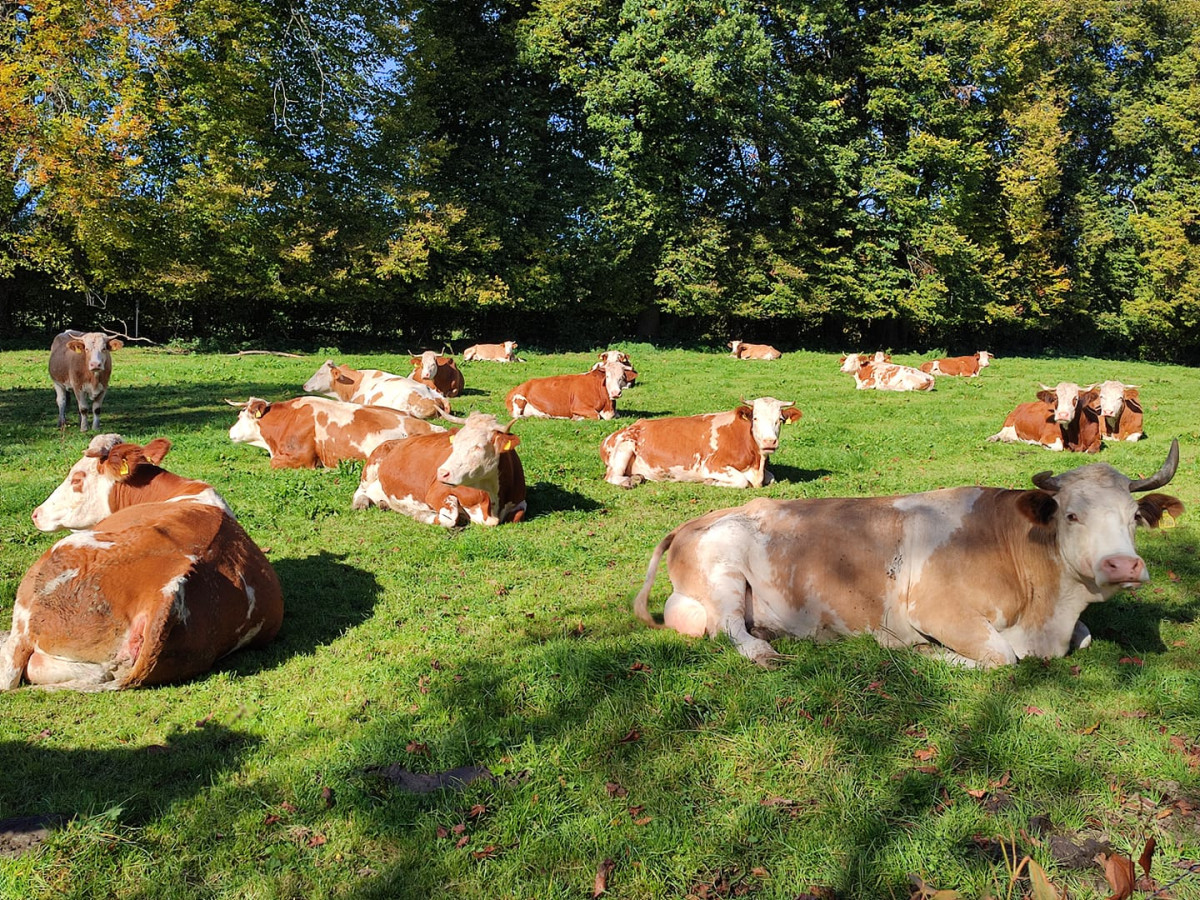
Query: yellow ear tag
x=1167, y=520
x=124, y=467
x=451, y=439
x=258, y=414
x=508, y=445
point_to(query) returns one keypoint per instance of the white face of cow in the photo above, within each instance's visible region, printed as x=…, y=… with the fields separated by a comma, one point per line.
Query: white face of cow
x=96, y=348
x=428, y=363
x=322, y=380
x=1066, y=401
x=82, y=499
x=985, y=359
x=768, y=417
x=475, y=451
x=1112, y=398
x=614, y=379
x=246, y=429
x=510, y=349
x=850, y=363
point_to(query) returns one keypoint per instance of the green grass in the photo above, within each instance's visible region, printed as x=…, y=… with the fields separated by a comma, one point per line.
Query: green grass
x=514, y=648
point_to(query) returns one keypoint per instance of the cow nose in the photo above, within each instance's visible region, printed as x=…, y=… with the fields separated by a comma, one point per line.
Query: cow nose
x=770, y=446
x=34, y=515
x=442, y=474
x=1123, y=570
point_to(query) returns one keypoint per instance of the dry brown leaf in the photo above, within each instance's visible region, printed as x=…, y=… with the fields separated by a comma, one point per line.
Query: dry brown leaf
x=976, y=794
x=1147, y=855
x=1130, y=660
x=926, y=754
x=316, y=840
x=1118, y=870
x=486, y=853
x=927, y=770
x=600, y=885
x=476, y=811
x=462, y=842
x=327, y=796
x=287, y=806
x=645, y=820
x=442, y=832
x=271, y=819
x=633, y=735
x=1034, y=711
x=459, y=828
x=635, y=810
x=1091, y=729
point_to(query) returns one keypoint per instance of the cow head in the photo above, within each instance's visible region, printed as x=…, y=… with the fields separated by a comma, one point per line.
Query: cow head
x=426, y=365
x=246, y=429
x=1112, y=398
x=852, y=362
x=1093, y=514
x=322, y=380
x=766, y=416
x=735, y=347
x=82, y=499
x=510, y=349
x=985, y=358
x=614, y=379
x=95, y=348
x=475, y=451
x=1065, y=397
x=614, y=356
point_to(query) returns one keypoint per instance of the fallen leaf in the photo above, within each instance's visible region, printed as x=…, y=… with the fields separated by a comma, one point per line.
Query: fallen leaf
x=634, y=810
x=476, y=811
x=927, y=770
x=639, y=666
x=485, y=853
x=759, y=872
x=316, y=840
x=1171, y=575
x=1147, y=855
x=271, y=819
x=1118, y=870
x=287, y=806
x=1130, y=660
x=417, y=747
x=1091, y=729
x=645, y=820
x=459, y=828
x=327, y=796
x=1034, y=711
x=978, y=794
x=462, y=842
x=926, y=754
x=442, y=832
x=633, y=735
x=1040, y=883
x=1075, y=670
x=600, y=885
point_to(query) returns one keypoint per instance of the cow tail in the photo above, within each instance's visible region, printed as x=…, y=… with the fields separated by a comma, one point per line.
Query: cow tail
x=641, y=601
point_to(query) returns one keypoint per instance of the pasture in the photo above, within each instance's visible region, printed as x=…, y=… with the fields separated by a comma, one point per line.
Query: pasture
x=409, y=647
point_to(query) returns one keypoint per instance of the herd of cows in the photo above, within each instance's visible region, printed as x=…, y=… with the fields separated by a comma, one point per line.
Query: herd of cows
x=981, y=576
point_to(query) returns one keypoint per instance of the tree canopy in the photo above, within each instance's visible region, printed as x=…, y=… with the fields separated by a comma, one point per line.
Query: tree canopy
x=922, y=172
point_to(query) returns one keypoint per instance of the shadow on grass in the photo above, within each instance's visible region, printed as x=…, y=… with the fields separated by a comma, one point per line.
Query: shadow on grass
x=795, y=475
x=323, y=597
x=546, y=498
x=40, y=780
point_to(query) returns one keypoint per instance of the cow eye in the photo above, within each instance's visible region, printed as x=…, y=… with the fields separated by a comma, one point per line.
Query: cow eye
x=1071, y=517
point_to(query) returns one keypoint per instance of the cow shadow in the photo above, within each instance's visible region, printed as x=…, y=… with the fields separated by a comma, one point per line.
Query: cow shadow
x=323, y=597
x=58, y=784
x=795, y=475
x=545, y=498
x=471, y=392
x=625, y=412
x=1134, y=621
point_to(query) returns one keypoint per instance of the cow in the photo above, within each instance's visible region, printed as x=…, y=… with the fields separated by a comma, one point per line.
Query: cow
x=742, y=350
x=983, y=576
x=471, y=474
x=112, y=475
x=154, y=593
x=853, y=361
x=622, y=357
x=437, y=372
x=1120, y=412
x=373, y=387
x=81, y=363
x=592, y=395
x=307, y=432
x=504, y=353
x=157, y=583
x=1064, y=418
x=891, y=377
x=959, y=365
x=728, y=449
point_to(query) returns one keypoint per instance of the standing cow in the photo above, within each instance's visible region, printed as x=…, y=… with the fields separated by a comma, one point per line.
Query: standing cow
x=154, y=592
x=728, y=449
x=437, y=372
x=81, y=363
x=985, y=576
x=472, y=474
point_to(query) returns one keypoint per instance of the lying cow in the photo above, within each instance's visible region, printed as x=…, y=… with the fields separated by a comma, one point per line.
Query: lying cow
x=1062, y=418
x=621, y=357
x=592, y=395
x=959, y=365
x=180, y=583
x=891, y=377
x=853, y=361
x=81, y=363
x=373, y=387
x=1120, y=412
x=984, y=575
x=113, y=475
x=472, y=474
x=438, y=372
x=307, y=432
x=728, y=449
x=742, y=350
x=505, y=353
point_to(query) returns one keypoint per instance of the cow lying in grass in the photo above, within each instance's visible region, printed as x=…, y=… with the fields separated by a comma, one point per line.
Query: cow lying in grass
x=983, y=576
x=374, y=387
x=157, y=585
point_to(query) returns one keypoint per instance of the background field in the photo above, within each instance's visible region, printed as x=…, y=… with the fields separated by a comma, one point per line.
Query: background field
x=514, y=648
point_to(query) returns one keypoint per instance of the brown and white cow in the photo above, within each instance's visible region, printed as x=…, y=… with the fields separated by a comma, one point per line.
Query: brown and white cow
x=891, y=377
x=374, y=387
x=307, y=432
x=471, y=474
x=1120, y=411
x=438, y=372
x=505, y=353
x=621, y=357
x=112, y=475
x=592, y=395
x=81, y=363
x=154, y=593
x=742, y=350
x=728, y=449
x=983, y=575
x=853, y=361
x=1062, y=418
x=959, y=365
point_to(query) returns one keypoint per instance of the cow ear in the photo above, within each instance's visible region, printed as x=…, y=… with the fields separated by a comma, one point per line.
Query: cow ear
x=77, y=346
x=156, y=450
x=744, y=412
x=415, y=361
x=123, y=461
x=505, y=441
x=115, y=344
x=1037, y=506
x=1090, y=398
x=792, y=414
x=1158, y=509
x=1047, y=396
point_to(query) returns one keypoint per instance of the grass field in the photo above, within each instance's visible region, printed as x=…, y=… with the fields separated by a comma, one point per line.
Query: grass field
x=842, y=773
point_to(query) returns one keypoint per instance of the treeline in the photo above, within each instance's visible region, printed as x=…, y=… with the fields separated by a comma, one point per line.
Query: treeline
x=1009, y=172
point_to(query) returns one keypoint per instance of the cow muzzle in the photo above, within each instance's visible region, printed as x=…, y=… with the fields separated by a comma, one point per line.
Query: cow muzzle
x=768, y=446
x=1127, y=571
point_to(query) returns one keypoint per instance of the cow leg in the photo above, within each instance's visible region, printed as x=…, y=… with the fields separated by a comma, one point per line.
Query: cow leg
x=97, y=402
x=82, y=411
x=47, y=671
x=60, y=397
x=730, y=594
x=14, y=654
x=619, y=462
x=969, y=638
x=1081, y=638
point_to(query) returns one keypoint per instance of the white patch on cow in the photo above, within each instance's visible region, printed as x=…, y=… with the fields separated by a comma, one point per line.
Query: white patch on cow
x=175, y=590
x=685, y=615
x=248, y=590
x=84, y=539
x=207, y=497
x=247, y=637
x=246, y=431
x=80, y=501
x=59, y=580
x=930, y=522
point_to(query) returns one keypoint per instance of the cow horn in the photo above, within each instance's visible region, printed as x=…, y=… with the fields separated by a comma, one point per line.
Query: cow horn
x=240, y=404
x=457, y=420
x=1047, y=481
x=1045, y=387
x=507, y=429
x=1163, y=475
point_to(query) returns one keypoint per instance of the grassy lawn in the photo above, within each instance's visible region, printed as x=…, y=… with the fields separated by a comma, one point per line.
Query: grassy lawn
x=847, y=769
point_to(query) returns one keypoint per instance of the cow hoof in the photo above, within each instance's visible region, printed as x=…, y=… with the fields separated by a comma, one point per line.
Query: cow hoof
x=360, y=502
x=633, y=481
x=1081, y=637
x=761, y=653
